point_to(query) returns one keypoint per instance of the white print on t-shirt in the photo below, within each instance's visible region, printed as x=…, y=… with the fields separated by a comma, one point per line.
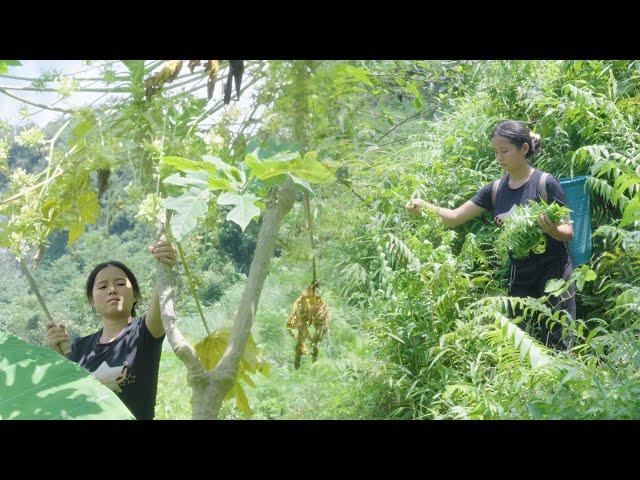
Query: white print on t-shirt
x=112, y=377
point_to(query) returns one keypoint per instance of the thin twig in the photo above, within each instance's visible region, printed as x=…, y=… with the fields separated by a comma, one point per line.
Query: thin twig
x=398, y=125
x=39, y=105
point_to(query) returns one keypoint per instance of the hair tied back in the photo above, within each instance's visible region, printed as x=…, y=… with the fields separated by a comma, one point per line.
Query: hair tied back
x=535, y=141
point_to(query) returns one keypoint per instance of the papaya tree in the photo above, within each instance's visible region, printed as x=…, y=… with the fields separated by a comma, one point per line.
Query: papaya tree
x=152, y=135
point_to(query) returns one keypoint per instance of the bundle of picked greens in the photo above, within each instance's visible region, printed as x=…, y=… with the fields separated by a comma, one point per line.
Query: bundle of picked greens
x=521, y=234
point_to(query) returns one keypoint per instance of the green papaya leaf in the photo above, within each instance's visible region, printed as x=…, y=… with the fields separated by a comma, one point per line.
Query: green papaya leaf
x=210, y=351
x=269, y=167
x=244, y=210
x=179, y=163
x=189, y=206
x=75, y=231
x=88, y=211
x=89, y=206
x=310, y=169
x=242, y=402
x=198, y=178
x=303, y=184
x=37, y=383
x=231, y=172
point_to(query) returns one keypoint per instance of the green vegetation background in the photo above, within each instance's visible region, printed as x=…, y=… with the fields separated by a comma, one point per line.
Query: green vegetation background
x=416, y=307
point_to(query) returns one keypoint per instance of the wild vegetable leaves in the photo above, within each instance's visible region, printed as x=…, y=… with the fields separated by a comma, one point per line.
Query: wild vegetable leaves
x=521, y=234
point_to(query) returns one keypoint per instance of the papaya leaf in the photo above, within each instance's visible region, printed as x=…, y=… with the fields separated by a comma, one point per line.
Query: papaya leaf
x=182, y=164
x=189, y=206
x=75, y=231
x=269, y=167
x=242, y=402
x=310, y=169
x=37, y=383
x=198, y=178
x=244, y=210
x=89, y=206
x=231, y=172
x=87, y=212
x=303, y=184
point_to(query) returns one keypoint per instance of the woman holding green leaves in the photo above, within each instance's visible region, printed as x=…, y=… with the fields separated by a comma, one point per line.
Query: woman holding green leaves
x=514, y=144
x=125, y=353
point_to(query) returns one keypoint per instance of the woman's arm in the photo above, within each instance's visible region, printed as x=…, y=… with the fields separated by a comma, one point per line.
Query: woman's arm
x=451, y=218
x=163, y=252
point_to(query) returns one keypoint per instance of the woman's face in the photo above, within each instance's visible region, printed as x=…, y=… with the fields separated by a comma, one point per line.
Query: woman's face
x=113, y=294
x=508, y=155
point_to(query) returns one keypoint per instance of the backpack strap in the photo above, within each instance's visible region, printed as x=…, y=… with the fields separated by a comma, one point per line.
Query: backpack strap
x=494, y=190
x=542, y=186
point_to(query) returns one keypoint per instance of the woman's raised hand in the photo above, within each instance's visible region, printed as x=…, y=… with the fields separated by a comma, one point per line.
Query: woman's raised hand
x=163, y=252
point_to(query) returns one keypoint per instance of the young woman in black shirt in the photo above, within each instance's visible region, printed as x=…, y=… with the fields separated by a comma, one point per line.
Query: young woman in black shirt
x=514, y=144
x=125, y=353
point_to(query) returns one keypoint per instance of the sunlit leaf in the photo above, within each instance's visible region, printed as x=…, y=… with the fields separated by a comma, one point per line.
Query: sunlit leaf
x=245, y=209
x=189, y=206
x=37, y=383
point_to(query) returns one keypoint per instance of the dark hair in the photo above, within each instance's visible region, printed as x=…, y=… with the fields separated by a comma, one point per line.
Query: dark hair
x=132, y=278
x=518, y=134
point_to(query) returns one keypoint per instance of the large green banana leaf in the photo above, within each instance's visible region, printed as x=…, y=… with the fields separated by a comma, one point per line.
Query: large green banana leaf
x=38, y=383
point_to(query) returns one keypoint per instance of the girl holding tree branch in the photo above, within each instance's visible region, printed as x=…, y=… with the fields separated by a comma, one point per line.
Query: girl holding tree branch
x=125, y=353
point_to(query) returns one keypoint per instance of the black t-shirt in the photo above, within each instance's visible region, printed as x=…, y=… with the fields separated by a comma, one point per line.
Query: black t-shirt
x=128, y=365
x=507, y=198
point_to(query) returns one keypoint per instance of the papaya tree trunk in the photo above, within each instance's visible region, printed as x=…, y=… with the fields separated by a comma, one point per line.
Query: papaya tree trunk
x=207, y=401
x=210, y=387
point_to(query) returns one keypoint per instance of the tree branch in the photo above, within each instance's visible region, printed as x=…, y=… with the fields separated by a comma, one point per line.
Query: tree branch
x=182, y=348
x=39, y=105
x=272, y=218
x=82, y=90
x=398, y=125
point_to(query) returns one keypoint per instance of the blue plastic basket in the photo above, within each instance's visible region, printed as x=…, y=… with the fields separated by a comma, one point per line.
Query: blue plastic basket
x=578, y=201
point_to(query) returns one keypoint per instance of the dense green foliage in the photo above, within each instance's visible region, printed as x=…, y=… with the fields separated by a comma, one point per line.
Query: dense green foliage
x=420, y=325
